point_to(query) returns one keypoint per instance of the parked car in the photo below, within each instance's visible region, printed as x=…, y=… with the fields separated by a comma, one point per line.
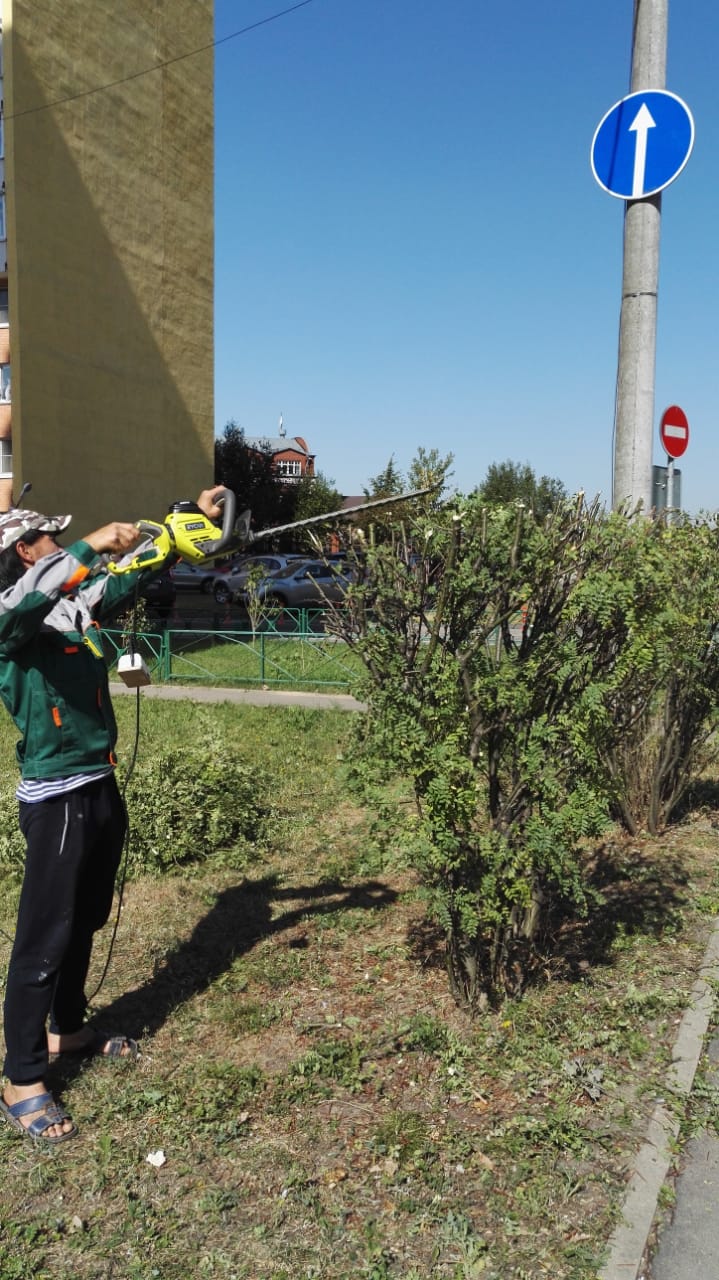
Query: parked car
x=312, y=582
x=193, y=577
x=228, y=586
x=159, y=593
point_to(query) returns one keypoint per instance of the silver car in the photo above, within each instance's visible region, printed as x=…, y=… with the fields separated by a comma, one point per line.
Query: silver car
x=193, y=577
x=306, y=583
x=229, y=586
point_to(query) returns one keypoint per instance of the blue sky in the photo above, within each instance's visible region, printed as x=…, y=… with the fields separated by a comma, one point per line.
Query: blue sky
x=411, y=249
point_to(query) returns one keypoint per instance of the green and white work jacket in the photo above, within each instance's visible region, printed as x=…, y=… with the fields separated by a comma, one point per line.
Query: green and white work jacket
x=53, y=675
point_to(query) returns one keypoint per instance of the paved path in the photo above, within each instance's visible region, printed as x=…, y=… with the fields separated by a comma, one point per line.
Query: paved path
x=688, y=1248
x=688, y=1243
x=254, y=697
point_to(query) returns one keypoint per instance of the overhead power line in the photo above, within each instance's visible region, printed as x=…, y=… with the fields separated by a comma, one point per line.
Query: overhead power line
x=159, y=66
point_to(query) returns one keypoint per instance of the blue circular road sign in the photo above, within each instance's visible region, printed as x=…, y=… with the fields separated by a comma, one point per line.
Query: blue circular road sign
x=642, y=144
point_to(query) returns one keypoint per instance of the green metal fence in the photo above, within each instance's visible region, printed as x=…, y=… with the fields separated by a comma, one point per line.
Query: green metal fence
x=291, y=652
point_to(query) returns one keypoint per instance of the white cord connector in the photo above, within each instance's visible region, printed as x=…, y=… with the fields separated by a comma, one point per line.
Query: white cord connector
x=132, y=670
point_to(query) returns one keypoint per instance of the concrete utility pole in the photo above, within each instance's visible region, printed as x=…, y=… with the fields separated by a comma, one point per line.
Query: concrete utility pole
x=634, y=425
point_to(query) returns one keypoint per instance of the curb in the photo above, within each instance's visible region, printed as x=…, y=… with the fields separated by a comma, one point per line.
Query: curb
x=652, y=1163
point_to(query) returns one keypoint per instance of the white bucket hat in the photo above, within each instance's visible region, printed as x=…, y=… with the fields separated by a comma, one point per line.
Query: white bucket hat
x=15, y=523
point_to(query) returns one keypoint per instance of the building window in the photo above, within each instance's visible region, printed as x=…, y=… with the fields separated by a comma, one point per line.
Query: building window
x=289, y=469
x=3, y=234
x=5, y=458
x=4, y=312
x=5, y=396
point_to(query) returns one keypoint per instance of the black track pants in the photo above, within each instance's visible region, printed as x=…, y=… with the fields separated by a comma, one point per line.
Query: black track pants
x=74, y=844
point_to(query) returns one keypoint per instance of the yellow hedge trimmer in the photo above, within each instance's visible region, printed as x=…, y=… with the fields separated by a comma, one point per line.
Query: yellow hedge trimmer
x=193, y=536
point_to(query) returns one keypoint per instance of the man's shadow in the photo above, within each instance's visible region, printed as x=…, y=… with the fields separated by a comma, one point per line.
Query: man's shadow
x=240, y=918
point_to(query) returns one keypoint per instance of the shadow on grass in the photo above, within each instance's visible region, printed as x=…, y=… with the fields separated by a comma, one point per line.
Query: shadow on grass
x=241, y=917
x=628, y=895
x=702, y=794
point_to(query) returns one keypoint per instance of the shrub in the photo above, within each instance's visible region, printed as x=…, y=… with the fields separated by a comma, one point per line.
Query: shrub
x=663, y=698
x=184, y=806
x=12, y=843
x=193, y=803
x=532, y=679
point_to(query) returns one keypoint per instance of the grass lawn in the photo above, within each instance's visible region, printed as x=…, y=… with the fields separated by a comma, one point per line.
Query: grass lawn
x=322, y=1107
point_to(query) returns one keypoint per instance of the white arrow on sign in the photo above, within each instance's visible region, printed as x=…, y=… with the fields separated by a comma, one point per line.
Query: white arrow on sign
x=641, y=124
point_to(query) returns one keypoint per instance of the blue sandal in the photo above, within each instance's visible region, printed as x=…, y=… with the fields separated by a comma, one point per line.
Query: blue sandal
x=51, y=1114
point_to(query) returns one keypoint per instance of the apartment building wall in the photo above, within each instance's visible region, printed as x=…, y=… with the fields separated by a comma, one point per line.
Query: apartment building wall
x=108, y=162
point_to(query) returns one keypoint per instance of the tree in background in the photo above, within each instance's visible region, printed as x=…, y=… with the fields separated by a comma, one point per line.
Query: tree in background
x=315, y=495
x=385, y=483
x=252, y=476
x=508, y=482
x=427, y=469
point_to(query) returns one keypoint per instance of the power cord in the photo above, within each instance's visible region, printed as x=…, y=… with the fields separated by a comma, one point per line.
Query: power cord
x=131, y=649
x=125, y=853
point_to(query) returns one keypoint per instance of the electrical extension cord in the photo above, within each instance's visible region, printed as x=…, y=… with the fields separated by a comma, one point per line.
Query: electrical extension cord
x=132, y=670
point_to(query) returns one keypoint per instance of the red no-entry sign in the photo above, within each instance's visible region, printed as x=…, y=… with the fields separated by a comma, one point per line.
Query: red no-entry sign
x=674, y=431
